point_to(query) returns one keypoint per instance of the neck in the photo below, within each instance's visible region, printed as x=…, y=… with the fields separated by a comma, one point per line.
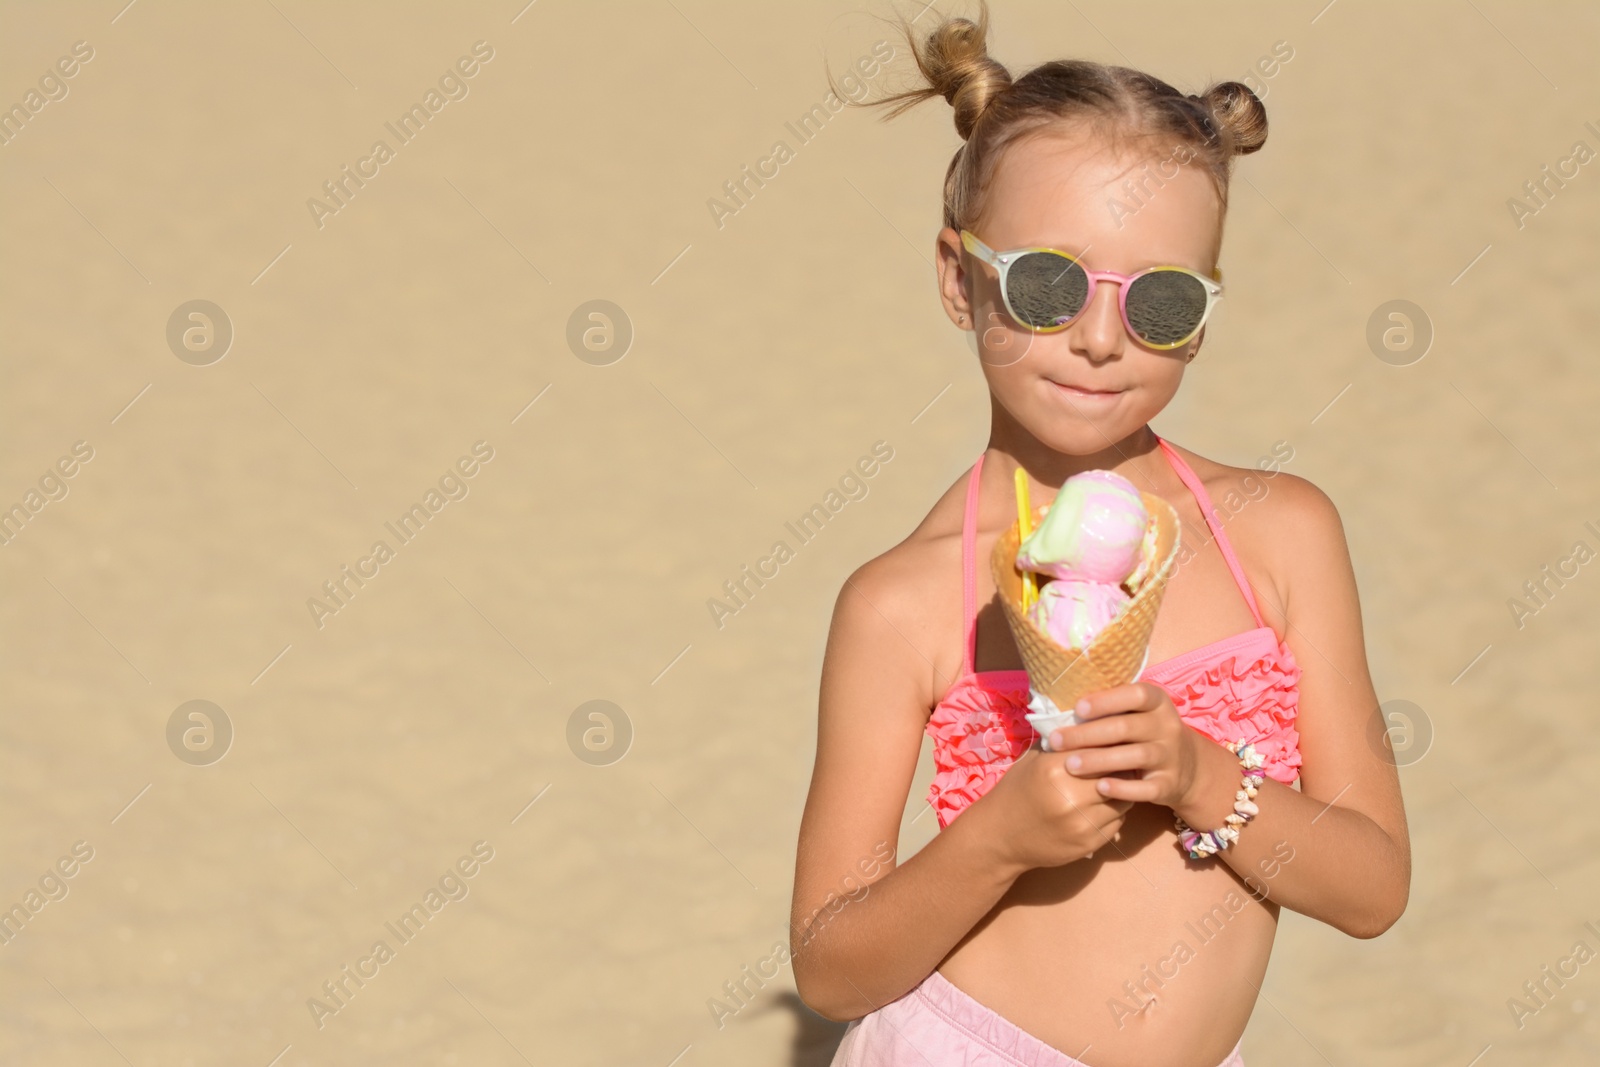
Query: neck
x=1130, y=456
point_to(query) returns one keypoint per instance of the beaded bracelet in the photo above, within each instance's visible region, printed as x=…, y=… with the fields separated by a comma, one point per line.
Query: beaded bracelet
x=1199, y=844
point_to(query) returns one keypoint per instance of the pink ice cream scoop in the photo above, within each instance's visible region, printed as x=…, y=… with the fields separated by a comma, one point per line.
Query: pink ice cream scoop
x=1092, y=531
x=1071, y=611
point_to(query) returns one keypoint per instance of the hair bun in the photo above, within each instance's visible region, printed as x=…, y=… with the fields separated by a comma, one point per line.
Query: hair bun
x=1239, y=114
x=1126, y=109
x=955, y=60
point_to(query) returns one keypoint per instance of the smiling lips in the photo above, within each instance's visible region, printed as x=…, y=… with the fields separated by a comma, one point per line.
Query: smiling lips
x=1078, y=393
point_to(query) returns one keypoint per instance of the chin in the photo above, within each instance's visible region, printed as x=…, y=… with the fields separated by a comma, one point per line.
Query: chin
x=1082, y=432
x=1084, y=439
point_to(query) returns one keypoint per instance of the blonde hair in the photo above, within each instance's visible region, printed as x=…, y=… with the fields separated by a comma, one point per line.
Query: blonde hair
x=1125, y=106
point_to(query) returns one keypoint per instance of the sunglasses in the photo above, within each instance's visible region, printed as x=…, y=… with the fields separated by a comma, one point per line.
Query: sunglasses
x=1045, y=289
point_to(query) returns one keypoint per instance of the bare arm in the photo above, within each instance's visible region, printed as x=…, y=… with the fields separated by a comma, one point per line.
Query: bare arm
x=1346, y=827
x=863, y=930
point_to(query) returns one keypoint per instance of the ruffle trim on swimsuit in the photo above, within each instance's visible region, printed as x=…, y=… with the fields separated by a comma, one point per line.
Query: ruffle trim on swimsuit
x=1254, y=700
x=980, y=730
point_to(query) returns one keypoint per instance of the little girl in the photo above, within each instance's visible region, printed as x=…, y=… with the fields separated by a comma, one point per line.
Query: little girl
x=1111, y=900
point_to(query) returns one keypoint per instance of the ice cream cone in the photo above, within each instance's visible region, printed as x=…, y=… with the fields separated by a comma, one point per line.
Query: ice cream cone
x=1117, y=654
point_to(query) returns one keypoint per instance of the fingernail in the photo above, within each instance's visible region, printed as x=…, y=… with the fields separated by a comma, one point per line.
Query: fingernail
x=1082, y=706
x=1104, y=786
x=1074, y=762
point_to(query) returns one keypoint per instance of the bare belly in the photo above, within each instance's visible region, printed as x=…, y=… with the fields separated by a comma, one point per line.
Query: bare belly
x=1129, y=959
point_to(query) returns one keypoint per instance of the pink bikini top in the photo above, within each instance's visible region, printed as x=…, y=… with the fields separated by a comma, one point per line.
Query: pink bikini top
x=1241, y=688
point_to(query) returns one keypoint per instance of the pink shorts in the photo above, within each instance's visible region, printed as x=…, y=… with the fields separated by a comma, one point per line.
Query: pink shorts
x=937, y=1024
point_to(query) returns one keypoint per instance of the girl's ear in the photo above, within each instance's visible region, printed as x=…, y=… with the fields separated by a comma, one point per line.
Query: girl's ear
x=953, y=280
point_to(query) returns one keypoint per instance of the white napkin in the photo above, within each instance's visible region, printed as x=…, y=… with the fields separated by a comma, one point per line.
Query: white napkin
x=1044, y=716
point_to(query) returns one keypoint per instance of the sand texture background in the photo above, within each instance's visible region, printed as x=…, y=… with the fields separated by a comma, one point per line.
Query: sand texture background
x=749, y=365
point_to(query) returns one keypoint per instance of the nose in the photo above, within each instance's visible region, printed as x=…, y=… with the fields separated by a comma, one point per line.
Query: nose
x=1098, y=335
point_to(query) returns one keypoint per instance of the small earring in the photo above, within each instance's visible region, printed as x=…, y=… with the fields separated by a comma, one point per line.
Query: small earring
x=962, y=319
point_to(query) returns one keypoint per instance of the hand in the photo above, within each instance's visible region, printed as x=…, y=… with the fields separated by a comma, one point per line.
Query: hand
x=1038, y=815
x=1132, y=728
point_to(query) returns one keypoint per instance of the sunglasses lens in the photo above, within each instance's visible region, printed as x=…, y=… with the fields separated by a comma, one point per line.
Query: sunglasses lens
x=1045, y=290
x=1166, y=306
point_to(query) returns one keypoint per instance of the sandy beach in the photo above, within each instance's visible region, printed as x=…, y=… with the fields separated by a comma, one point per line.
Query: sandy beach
x=366, y=449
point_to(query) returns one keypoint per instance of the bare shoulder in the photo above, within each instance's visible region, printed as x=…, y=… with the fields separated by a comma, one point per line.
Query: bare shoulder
x=1280, y=524
x=905, y=603
x=1233, y=488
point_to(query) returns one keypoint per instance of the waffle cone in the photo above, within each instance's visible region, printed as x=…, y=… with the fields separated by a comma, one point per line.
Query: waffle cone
x=1117, y=653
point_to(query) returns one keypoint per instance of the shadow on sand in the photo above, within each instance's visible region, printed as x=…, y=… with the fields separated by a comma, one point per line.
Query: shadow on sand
x=815, y=1038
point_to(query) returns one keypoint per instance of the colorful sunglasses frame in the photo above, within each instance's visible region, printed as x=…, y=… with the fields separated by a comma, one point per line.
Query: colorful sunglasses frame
x=1002, y=262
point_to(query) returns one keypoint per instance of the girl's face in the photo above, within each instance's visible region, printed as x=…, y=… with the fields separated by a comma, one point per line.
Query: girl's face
x=1084, y=388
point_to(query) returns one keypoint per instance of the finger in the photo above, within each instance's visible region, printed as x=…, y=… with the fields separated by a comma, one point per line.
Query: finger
x=1106, y=837
x=1140, y=789
x=1094, y=762
x=1108, y=730
x=1103, y=834
x=1135, y=696
x=1110, y=814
